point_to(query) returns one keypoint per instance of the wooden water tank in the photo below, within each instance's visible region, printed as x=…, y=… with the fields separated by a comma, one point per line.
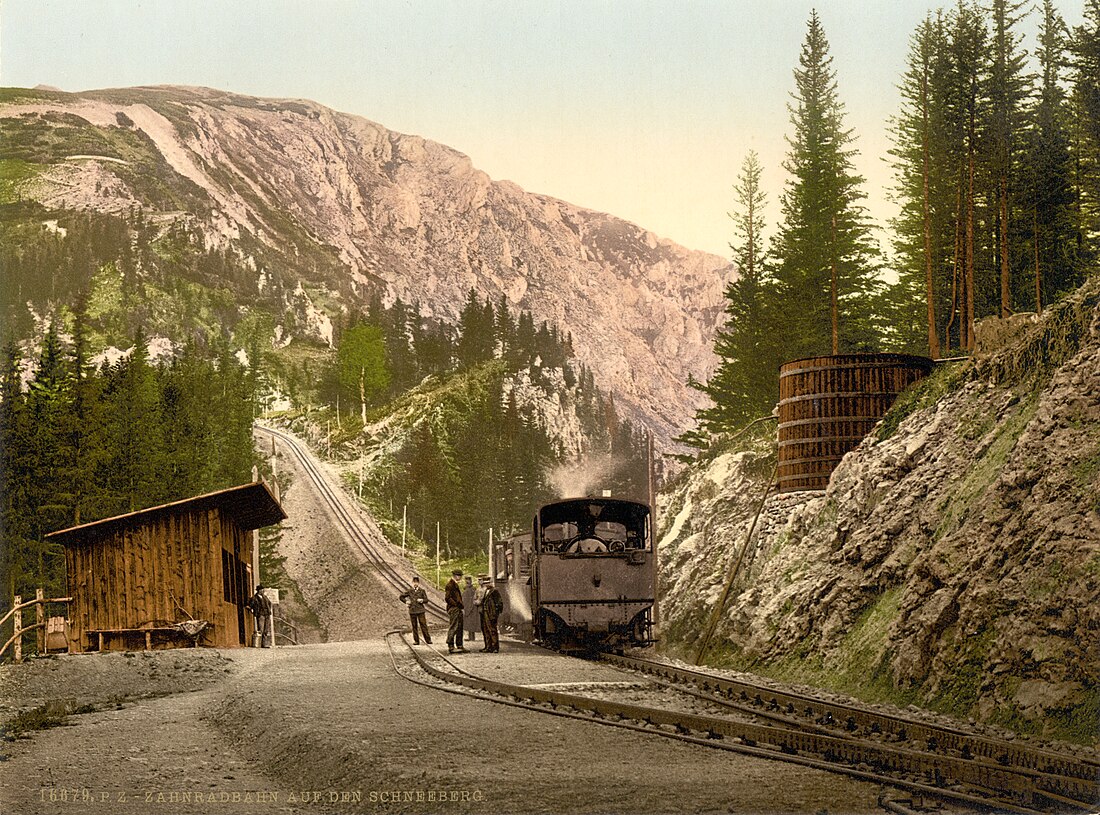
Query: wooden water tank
x=827, y=405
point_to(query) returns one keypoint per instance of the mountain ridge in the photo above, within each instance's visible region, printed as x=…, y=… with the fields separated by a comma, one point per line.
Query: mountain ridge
x=279, y=179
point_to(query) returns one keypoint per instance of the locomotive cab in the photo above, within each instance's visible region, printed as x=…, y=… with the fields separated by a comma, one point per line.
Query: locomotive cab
x=594, y=574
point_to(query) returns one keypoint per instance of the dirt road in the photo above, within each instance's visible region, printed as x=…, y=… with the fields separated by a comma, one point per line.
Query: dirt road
x=330, y=728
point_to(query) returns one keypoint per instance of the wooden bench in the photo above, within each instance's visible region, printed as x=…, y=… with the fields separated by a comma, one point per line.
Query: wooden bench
x=103, y=634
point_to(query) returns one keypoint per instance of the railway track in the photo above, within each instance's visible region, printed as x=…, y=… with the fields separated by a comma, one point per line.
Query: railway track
x=976, y=785
x=348, y=521
x=932, y=761
x=1030, y=774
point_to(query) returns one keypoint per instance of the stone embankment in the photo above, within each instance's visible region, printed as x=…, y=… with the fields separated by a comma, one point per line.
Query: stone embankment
x=954, y=560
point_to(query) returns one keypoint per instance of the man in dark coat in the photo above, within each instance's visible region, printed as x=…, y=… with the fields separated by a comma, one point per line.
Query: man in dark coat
x=260, y=607
x=417, y=600
x=492, y=604
x=453, y=594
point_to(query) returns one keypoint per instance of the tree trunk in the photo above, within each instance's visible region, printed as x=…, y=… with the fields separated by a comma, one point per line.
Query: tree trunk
x=835, y=305
x=929, y=286
x=1006, y=291
x=363, y=395
x=968, y=323
x=956, y=266
x=1038, y=277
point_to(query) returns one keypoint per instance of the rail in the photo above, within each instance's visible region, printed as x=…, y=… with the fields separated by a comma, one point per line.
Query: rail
x=346, y=520
x=292, y=637
x=978, y=786
x=1033, y=772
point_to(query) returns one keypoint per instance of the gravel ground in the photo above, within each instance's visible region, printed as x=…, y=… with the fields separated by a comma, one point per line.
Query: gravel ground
x=336, y=580
x=330, y=728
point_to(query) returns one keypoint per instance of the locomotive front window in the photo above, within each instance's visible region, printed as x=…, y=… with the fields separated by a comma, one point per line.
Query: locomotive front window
x=555, y=536
x=593, y=527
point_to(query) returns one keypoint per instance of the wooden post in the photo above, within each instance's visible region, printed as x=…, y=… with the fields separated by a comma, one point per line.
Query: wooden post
x=437, y=553
x=720, y=606
x=40, y=620
x=255, y=543
x=17, y=630
x=404, y=523
x=492, y=566
x=651, y=488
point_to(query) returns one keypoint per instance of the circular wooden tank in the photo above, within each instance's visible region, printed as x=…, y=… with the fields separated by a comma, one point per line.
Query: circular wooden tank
x=828, y=404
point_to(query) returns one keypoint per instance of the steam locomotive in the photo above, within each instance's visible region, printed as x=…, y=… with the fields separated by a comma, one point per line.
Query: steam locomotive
x=584, y=579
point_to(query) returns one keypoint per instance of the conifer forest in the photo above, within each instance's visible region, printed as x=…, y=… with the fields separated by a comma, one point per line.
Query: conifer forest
x=996, y=167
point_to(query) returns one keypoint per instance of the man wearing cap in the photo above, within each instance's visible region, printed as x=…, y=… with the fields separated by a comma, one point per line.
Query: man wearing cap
x=260, y=607
x=453, y=594
x=417, y=599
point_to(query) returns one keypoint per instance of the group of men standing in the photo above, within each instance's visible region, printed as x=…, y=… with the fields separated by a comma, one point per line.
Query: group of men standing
x=463, y=609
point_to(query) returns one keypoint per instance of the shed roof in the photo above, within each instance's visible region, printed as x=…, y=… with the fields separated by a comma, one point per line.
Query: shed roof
x=251, y=505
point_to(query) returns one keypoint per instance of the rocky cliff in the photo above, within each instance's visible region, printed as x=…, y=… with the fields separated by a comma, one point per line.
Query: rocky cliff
x=954, y=560
x=306, y=193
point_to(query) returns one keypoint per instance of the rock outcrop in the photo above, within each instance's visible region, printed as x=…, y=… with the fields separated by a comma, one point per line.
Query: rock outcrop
x=955, y=557
x=289, y=179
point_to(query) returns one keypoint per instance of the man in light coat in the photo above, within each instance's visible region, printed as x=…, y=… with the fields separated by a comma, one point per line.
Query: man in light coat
x=469, y=610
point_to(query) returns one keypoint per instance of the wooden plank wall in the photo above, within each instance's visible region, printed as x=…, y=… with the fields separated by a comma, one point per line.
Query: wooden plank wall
x=827, y=405
x=151, y=574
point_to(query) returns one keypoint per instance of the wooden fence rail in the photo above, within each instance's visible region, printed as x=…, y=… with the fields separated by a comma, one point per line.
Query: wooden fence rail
x=17, y=607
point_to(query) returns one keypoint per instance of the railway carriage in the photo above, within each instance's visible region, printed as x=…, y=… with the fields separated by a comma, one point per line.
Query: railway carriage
x=587, y=575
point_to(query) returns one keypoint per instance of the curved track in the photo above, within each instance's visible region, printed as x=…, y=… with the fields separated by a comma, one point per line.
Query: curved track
x=1031, y=774
x=348, y=521
x=979, y=788
x=934, y=761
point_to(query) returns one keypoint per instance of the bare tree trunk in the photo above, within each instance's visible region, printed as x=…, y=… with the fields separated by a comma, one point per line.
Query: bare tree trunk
x=835, y=304
x=929, y=284
x=956, y=266
x=363, y=395
x=1038, y=277
x=968, y=323
x=1006, y=290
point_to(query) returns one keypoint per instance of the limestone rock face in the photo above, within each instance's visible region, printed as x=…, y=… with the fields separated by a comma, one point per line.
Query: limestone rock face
x=957, y=558
x=415, y=217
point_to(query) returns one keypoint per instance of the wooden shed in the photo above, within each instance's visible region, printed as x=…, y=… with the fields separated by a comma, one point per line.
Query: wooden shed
x=135, y=578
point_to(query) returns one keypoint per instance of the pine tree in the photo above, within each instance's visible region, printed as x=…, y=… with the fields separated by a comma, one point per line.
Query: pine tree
x=361, y=362
x=965, y=92
x=49, y=411
x=922, y=250
x=824, y=252
x=135, y=440
x=744, y=384
x=1008, y=88
x=1086, y=103
x=16, y=476
x=1048, y=200
x=475, y=332
x=86, y=433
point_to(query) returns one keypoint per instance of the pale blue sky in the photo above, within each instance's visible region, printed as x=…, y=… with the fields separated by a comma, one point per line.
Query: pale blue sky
x=643, y=109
